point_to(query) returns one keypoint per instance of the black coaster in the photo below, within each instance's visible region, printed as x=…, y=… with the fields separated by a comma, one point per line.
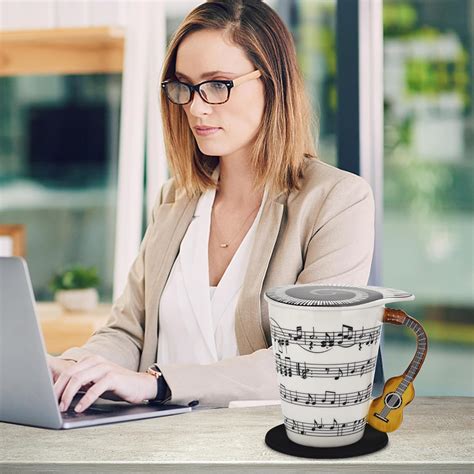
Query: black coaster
x=373, y=440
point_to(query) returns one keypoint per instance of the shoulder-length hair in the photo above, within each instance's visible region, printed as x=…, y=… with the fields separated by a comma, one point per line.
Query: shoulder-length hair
x=285, y=136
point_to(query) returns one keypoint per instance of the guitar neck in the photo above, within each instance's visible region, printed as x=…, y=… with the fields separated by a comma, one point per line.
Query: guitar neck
x=419, y=357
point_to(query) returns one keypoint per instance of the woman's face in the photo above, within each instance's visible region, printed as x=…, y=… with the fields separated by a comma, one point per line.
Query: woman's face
x=239, y=118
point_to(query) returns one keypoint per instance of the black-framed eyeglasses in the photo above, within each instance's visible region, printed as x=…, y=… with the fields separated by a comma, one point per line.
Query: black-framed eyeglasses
x=213, y=92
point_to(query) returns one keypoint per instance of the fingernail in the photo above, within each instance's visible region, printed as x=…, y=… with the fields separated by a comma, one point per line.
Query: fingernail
x=61, y=406
x=78, y=407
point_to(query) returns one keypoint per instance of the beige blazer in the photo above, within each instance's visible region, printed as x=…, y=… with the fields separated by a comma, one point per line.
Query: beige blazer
x=323, y=233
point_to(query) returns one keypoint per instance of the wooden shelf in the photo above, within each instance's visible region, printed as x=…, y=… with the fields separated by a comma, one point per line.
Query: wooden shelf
x=15, y=232
x=65, y=329
x=62, y=51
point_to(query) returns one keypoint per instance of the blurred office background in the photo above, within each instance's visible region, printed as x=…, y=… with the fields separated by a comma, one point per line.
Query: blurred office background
x=60, y=158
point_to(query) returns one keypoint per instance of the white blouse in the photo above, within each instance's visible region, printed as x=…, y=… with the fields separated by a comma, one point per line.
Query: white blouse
x=196, y=321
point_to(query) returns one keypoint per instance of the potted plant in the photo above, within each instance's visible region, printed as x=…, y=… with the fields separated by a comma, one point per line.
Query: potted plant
x=75, y=288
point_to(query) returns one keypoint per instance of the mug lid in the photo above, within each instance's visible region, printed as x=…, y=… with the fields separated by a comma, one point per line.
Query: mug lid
x=323, y=295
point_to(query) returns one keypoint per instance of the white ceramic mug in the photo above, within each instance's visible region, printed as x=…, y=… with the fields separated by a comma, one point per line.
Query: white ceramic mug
x=325, y=339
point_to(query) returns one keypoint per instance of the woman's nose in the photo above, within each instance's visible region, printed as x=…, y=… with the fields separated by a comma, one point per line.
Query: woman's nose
x=198, y=106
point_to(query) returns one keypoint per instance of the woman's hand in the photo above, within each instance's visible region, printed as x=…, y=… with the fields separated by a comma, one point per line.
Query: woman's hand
x=57, y=365
x=100, y=375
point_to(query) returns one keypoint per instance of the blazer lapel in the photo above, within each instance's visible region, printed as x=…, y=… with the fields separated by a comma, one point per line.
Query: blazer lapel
x=172, y=221
x=195, y=267
x=248, y=316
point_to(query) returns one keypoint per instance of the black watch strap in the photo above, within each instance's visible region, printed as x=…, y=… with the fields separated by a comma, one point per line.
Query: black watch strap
x=163, y=393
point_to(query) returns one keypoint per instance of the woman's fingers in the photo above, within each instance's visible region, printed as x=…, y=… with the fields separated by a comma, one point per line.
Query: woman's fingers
x=104, y=384
x=57, y=366
x=63, y=379
x=79, y=379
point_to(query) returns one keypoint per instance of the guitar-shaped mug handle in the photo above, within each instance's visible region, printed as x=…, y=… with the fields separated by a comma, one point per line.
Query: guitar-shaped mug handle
x=386, y=412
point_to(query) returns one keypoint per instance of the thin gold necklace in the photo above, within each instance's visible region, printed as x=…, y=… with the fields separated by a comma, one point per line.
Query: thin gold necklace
x=224, y=245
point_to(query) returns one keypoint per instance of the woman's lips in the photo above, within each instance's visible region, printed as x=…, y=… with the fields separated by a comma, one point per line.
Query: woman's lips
x=206, y=131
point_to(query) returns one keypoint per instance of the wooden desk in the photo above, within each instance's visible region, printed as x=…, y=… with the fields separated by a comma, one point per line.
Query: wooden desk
x=64, y=329
x=436, y=436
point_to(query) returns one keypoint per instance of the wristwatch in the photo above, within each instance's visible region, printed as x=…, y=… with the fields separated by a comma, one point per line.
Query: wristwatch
x=162, y=392
x=154, y=370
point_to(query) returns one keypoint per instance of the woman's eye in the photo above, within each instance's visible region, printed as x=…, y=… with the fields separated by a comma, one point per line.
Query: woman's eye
x=218, y=85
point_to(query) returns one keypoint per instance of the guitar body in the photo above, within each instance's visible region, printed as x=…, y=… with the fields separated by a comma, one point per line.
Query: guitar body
x=386, y=412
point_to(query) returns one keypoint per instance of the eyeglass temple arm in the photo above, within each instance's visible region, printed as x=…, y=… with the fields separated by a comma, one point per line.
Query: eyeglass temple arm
x=247, y=77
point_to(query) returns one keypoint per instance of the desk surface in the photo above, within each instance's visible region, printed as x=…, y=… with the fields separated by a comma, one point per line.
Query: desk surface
x=436, y=435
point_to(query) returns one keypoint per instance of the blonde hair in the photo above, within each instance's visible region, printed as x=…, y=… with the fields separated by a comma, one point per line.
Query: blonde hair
x=285, y=136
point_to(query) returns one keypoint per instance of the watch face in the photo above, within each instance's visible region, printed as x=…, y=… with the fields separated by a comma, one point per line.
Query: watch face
x=153, y=371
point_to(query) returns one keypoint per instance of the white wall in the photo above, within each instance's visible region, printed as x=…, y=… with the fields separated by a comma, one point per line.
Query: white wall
x=35, y=14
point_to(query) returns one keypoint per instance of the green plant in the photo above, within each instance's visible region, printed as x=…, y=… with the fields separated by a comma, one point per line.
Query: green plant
x=75, y=277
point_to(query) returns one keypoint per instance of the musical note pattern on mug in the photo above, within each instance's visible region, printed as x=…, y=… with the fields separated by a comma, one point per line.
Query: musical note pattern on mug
x=289, y=368
x=326, y=340
x=325, y=429
x=328, y=399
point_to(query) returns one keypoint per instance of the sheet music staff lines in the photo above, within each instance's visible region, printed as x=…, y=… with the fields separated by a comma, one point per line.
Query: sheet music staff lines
x=325, y=429
x=328, y=399
x=309, y=340
x=289, y=368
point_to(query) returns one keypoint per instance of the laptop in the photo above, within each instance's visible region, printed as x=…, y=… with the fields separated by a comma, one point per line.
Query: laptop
x=26, y=383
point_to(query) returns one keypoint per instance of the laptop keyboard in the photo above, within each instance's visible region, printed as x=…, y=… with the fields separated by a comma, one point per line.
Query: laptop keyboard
x=70, y=413
x=93, y=410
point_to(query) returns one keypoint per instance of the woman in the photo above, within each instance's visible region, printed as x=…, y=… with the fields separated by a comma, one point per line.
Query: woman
x=249, y=207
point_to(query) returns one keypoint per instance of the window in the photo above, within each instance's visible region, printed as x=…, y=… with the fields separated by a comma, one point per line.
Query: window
x=428, y=185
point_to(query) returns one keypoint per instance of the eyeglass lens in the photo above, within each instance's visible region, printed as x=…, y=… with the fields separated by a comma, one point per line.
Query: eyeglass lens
x=213, y=92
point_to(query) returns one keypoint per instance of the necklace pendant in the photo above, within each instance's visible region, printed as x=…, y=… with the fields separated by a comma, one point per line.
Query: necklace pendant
x=223, y=245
